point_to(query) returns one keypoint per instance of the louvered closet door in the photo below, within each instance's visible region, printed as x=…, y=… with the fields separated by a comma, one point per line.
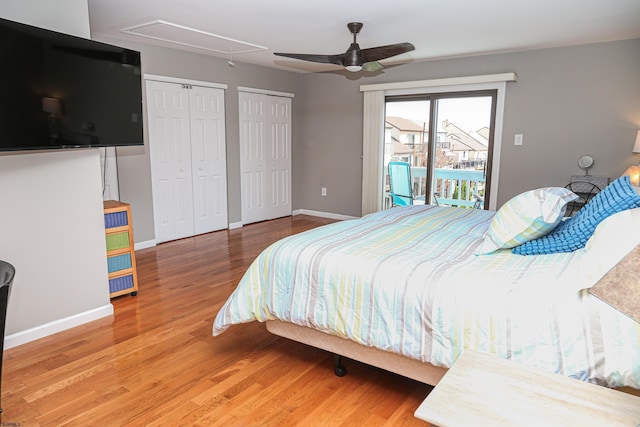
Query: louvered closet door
x=170, y=151
x=279, y=121
x=208, y=159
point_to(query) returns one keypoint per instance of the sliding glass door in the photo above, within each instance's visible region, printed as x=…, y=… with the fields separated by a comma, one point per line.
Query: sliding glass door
x=445, y=141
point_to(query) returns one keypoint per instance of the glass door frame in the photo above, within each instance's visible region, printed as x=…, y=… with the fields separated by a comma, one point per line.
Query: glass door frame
x=433, y=99
x=373, y=126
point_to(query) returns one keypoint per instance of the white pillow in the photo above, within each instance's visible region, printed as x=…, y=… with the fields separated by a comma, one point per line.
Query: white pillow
x=612, y=239
x=527, y=216
x=620, y=230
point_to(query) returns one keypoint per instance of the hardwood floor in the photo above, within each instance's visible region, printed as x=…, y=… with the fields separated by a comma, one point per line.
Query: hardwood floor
x=156, y=363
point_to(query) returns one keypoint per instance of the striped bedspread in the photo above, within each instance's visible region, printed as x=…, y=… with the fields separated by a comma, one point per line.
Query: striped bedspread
x=406, y=280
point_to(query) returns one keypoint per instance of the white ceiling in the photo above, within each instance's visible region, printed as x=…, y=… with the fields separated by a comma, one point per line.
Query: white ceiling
x=437, y=29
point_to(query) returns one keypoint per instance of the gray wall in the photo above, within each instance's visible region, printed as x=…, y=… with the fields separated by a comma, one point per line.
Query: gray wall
x=134, y=171
x=331, y=145
x=567, y=102
x=51, y=221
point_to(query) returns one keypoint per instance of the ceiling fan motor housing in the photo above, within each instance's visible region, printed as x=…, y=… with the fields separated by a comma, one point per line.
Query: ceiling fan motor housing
x=352, y=56
x=354, y=27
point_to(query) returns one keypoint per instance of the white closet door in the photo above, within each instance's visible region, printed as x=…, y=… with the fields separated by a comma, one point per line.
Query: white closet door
x=208, y=159
x=253, y=160
x=170, y=151
x=279, y=121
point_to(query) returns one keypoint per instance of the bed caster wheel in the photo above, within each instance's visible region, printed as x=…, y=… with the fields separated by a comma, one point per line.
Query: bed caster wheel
x=134, y=293
x=339, y=369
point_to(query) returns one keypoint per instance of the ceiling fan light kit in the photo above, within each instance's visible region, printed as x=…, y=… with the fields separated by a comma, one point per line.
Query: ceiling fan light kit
x=355, y=59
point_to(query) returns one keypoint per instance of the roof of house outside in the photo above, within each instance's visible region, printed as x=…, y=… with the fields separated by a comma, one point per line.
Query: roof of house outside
x=400, y=148
x=406, y=125
x=461, y=140
x=483, y=132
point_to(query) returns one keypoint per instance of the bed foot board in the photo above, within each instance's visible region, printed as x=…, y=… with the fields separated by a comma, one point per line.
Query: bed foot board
x=339, y=369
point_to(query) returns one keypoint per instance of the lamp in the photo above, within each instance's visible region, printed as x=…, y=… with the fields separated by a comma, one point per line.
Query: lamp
x=634, y=175
x=634, y=171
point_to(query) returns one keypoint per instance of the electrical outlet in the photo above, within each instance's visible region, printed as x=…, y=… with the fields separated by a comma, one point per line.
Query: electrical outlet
x=518, y=139
x=324, y=191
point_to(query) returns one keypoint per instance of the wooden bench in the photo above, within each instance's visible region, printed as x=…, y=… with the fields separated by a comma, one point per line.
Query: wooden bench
x=484, y=390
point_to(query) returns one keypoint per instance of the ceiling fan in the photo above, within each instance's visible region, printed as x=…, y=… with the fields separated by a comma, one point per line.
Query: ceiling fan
x=356, y=59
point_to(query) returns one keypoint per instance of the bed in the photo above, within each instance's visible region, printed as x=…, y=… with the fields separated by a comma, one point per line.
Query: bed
x=409, y=289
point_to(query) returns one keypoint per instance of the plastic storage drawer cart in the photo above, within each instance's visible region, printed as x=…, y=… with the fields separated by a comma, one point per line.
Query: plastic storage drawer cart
x=121, y=257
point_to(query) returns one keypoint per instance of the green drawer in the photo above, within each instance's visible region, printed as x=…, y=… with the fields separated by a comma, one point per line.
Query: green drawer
x=117, y=241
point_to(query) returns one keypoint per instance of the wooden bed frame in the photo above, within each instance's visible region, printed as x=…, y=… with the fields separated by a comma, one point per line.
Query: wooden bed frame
x=420, y=371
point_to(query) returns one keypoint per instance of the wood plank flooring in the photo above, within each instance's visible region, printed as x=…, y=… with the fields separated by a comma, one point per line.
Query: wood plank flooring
x=156, y=363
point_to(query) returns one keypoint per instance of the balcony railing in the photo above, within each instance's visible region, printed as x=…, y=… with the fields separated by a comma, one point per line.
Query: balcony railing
x=453, y=187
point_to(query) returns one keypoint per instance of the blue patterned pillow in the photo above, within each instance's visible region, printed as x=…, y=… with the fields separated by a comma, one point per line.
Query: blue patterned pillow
x=573, y=233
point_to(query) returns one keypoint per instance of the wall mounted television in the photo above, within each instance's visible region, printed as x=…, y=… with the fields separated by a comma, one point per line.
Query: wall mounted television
x=61, y=91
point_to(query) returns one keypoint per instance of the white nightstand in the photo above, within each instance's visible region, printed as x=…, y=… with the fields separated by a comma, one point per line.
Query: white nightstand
x=483, y=390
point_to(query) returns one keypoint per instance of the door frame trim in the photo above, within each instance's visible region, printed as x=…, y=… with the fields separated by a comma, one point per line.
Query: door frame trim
x=171, y=80
x=433, y=125
x=372, y=148
x=447, y=81
x=179, y=80
x=265, y=92
x=500, y=88
x=264, y=213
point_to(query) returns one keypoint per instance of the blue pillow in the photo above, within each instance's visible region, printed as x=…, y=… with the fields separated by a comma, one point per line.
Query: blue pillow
x=573, y=233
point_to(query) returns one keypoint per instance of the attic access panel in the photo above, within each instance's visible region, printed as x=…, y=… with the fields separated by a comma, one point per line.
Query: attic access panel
x=191, y=37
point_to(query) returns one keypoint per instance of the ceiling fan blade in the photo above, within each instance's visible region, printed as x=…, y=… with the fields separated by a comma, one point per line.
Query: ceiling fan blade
x=356, y=59
x=372, y=66
x=325, y=59
x=374, y=54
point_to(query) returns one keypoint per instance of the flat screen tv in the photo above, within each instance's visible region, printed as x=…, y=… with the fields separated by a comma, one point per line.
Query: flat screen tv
x=61, y=91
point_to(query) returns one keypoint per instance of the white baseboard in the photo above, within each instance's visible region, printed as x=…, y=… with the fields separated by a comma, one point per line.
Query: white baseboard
x=233, y=225
x=240, y=224
x=323, y=214
x=59, y=325
x=144, y=245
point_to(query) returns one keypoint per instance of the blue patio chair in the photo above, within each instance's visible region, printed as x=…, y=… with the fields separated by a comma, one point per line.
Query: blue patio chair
x=478, y=201
x=400, y=182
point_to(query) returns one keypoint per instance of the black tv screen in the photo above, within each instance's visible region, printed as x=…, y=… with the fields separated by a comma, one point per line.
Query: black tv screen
x=61, y=91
